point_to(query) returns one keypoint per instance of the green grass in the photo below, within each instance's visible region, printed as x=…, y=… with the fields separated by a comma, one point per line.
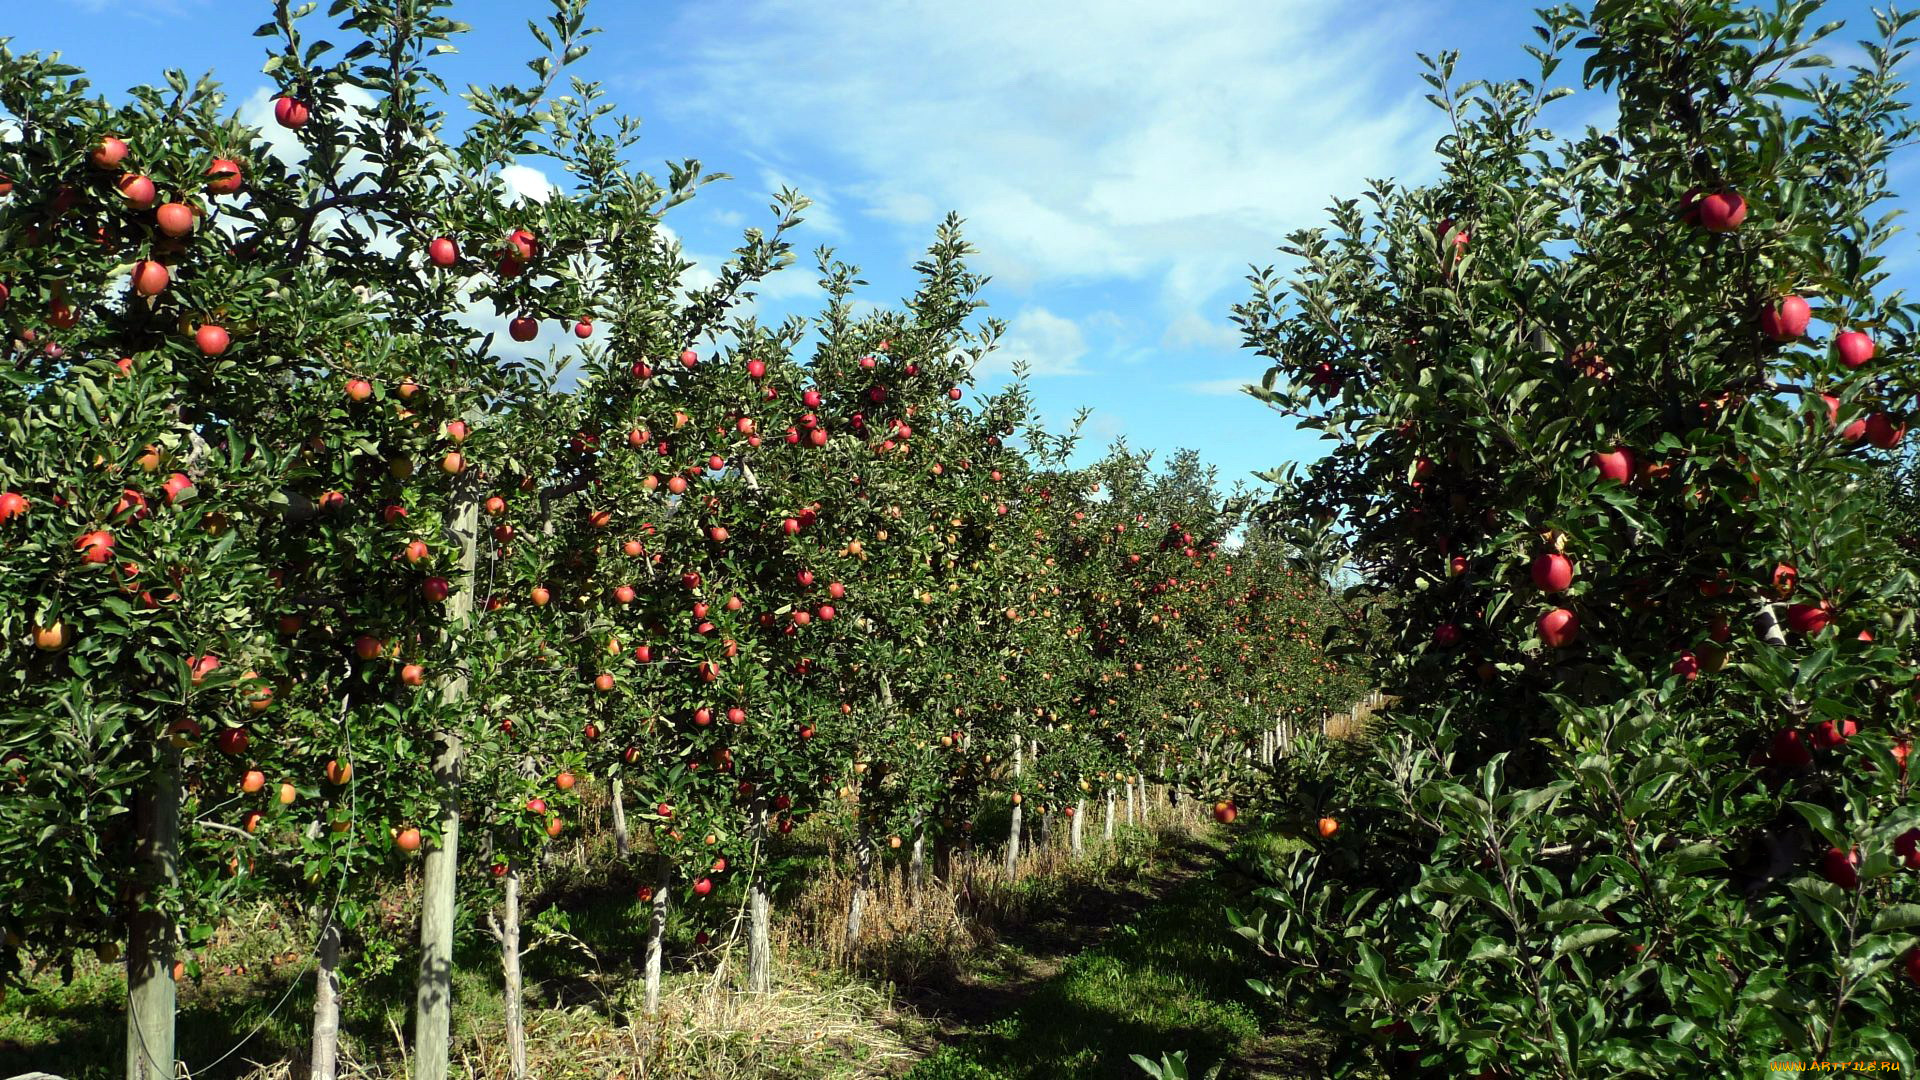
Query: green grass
x=1062, y=993
x=1172, y=978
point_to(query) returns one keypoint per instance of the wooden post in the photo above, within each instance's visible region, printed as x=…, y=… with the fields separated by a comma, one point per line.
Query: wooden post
x=433, y=995
x=150, y=929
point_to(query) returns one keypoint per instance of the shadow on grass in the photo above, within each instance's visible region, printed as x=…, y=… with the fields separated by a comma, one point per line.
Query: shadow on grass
x=78, y=1031
x=1167, y=974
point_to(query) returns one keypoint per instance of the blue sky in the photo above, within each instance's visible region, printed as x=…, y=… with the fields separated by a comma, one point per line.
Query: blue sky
x=1119, y=164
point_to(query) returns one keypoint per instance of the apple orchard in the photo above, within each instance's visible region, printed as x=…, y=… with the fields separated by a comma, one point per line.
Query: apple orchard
x=315, y=593
x=311, y=592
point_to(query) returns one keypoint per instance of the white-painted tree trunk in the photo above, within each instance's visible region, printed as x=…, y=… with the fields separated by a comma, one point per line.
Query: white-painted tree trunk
x=1079, y=819
x=325, y=1050
x=917, y=865
x=759, y=936
x=1013, y=830
x=433, y=993
x=510, y=970
x=1133, y=813
x=857, y=911
x=150, y=931
x=657, y=932
x=620, y=841
x=1107, y=832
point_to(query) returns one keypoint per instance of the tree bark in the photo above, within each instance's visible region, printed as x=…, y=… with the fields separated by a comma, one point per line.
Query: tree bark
x=858, y=910
x=657, y=932
x=325, y=1050
x=620, y=842
x=150, y=930
x=759, y=936
x=433, y=995
x=1013, y=830
x=1079, y=816
x=917, y=865
x=510, y=970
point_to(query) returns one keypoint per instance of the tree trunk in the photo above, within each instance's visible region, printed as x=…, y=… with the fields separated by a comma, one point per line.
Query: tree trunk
x=1132, y=811
x=1013, y=830
x=657, y=932
x=858, y=910
x=620, y=844
x=150, y=929
x=433, y=995
x=1107, y=832
x=326, y=1003
x=917, y=865
x=759, y=936
x=1079, y=816
x=510, y=970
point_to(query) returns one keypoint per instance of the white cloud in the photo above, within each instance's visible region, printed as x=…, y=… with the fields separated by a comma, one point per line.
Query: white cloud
x=1082, y=143
x=1047, y=343
x=523, y=183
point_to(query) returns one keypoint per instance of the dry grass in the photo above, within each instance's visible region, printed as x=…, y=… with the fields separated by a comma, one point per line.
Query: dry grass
x=1353, y=724
x=909, y=933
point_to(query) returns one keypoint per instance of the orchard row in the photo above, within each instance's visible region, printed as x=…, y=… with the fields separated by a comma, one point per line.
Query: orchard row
x=307, y=580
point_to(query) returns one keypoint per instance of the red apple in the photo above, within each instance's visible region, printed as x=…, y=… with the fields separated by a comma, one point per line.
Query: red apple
x=139, y=191
x=1882, y=432
x=1842, y=867
x=436, y=589
x=1853, y=348
x=1809, y=619
x=1827, y=734
x=1615, y=465
x=523, y=329
x=1721, y=212
x=290, y=113
x=95, y=546
x=1687, y=666
x=108, y=153
x=1552, y=572
x=1446, y=635
x=1558, y=628
x=212, y=340
x=413, y=675
x=1789, y=748
x=226, y=176
x=1785, y=319
x=174, y=219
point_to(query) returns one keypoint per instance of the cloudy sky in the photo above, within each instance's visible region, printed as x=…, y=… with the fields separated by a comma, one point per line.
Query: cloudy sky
x=1119, y=164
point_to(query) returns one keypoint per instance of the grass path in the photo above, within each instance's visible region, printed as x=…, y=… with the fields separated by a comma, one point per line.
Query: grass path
x=1150, y=969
